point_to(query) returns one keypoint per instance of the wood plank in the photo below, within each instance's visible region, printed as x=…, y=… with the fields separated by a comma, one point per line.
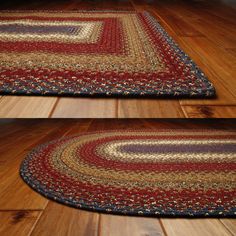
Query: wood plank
x=216, y=59
x=21, y=196
x=71, y=127
x=26, y=107
x=230, y=224
x=62, y=220
x=218, y=10
x=181, y=26
x=149, y=108
x=223, y=11
x=120, y=5
x=111, y=225
x=33, y=131
x=85, y=108
x=214, y=123
x=15, y=194
x=219, y=32
x=232, y=52
x=80, y=126
x=161, y=18
x=18, y=223
x=209, y=111
x=224, y=96
x=170, y=7
x=8, y=128
x=111, y=124
x=194, y=227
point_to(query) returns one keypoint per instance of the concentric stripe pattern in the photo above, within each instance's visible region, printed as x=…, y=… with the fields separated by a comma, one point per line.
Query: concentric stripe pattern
x=94, y=54
x=139, y=172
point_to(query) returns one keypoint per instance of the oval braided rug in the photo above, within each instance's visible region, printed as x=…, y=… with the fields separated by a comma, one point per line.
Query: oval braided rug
x=160, y=172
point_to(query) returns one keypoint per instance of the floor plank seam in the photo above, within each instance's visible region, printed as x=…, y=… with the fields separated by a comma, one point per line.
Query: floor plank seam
x=117, y=105
x=35, y=223
x=228, y=230
x=162, y=227
x=99, y=225
x=54, y=108
x=184, y=111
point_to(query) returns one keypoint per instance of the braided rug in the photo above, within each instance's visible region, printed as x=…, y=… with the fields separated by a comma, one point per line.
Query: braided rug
x=94, y=53
x=156, y=173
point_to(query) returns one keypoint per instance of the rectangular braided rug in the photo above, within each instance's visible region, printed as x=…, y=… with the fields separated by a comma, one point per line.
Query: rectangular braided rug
x=95, y=53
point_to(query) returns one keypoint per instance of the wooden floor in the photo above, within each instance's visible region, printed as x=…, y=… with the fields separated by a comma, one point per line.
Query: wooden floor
x=25, y=212
x=206, y=30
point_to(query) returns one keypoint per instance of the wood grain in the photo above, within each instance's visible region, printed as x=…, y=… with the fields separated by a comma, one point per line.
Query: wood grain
x=209, y=111
x=149, y=108
x=182, y=27
x=26, y=107
x=215, y=58
x=18, y=223
x=21, y=195
x=85, y=108
x=111, y=225
x=224, y=95
x=194, y=227
x=20, y=202
x=230, y=224
x=71, y=222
